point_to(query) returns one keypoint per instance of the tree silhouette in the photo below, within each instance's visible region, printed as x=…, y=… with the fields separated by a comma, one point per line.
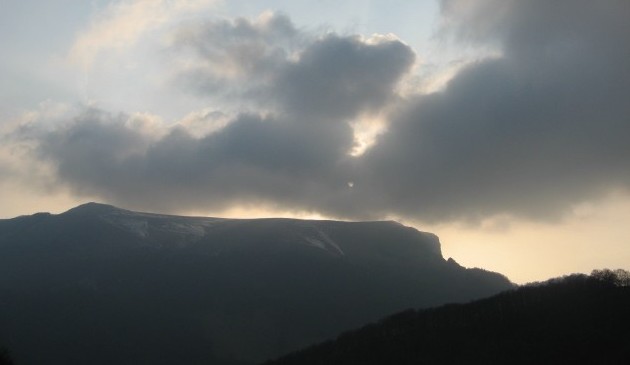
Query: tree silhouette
x=574, y=319
x=618, y=277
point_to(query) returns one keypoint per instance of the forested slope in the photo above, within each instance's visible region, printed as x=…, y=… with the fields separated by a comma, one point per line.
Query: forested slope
x=576, y=319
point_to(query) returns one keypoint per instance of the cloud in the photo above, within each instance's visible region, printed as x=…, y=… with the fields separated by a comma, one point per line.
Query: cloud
x=530, y=132
x=252, y=159
x=122, y=23
x=234, y=57
x=336, y=77
x=296, y=157
x=269, y=62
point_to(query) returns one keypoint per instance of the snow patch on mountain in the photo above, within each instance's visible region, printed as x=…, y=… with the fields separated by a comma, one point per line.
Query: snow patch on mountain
x=188, y=229
x=137, y=227
x=316, y=237
x=142, y=224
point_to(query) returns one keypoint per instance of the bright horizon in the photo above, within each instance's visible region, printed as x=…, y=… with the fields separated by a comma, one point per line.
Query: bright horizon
x=501, y=126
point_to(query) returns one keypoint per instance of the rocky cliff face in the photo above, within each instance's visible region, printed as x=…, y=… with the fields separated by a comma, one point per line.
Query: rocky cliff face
x=103, y=285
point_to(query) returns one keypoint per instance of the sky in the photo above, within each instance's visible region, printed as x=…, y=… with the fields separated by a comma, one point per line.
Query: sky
x=503, y=126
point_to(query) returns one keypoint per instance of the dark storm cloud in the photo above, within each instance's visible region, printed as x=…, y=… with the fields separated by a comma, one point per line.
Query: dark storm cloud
x=544, y=126
x=529, y=133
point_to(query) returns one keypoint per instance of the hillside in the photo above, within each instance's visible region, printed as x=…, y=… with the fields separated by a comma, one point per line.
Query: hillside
x=102, y=285
x=572, y=320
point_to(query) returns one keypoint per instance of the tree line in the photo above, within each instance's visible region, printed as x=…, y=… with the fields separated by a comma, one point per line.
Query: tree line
x=574, y=319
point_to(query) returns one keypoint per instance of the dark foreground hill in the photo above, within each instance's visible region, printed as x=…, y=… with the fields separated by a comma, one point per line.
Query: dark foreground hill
x=101, y=285
x=573, y=320
x=5, y=358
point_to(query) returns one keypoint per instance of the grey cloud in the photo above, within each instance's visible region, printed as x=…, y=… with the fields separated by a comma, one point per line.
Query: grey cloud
x=295, y=158
x=292, y=159
x=338, y=76
x=251, y=160
x=543, y=127
x=90, y=152
x=235, y=57
x=271, y=62
x=529, y=133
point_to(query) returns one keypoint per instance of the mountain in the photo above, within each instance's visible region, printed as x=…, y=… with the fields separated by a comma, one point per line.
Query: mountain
x=102, y=285
x=570, y=320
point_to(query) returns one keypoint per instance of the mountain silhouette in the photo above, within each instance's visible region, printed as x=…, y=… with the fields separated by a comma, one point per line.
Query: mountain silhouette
x=103, y=285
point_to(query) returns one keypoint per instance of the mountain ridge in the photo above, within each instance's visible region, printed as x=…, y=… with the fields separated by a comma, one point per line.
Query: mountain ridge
x=224, y=290
x=137, y=222
x=96, y=207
